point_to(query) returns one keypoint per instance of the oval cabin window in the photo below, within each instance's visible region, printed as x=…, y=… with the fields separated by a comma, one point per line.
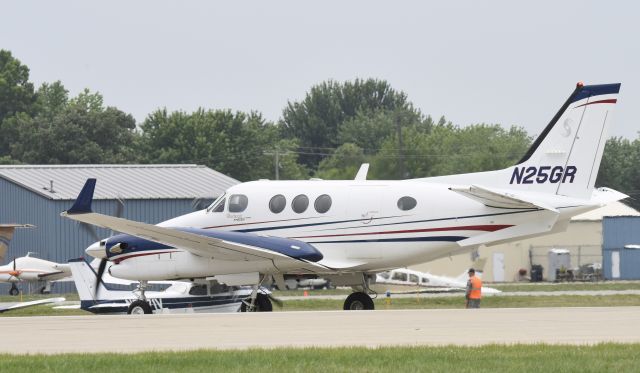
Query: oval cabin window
x=322, y=204
x=277, y=203
x=238, y=203
x=300, y=203
x=407, y=203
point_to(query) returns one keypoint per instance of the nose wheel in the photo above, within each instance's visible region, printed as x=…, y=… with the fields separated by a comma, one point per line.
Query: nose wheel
x=14, y=290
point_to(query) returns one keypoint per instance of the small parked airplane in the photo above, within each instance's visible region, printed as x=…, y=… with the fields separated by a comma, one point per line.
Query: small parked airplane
x=178, y=297
x=349, y=230
x=403, y=280
x=30, y=269
x=27, y=268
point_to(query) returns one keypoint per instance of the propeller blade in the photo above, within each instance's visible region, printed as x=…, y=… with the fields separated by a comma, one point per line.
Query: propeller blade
x=101, y=268
x=14, y=263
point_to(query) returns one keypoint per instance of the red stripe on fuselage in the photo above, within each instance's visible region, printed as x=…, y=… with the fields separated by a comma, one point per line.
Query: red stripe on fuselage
x=609, y=101
x=486, y=228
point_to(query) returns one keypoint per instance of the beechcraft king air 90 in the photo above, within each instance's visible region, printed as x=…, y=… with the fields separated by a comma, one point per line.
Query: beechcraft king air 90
x=349, y=230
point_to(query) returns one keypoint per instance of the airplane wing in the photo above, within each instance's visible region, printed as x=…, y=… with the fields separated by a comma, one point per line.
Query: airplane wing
x=500, y=199
x=232, y=246
x=31, y=304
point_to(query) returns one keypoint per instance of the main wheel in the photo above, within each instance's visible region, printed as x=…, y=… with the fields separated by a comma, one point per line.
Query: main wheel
x=139, y=307
x=44, y=290
x=358, y=301
x=263, y=304
x=14, y=290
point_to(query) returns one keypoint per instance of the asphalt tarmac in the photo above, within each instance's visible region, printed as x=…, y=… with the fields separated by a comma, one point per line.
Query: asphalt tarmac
x=84, y=334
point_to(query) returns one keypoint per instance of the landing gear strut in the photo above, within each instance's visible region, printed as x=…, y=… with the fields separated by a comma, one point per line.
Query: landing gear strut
x=140, y=306
x=14, y=289
x=360, y=300
x=257, y=302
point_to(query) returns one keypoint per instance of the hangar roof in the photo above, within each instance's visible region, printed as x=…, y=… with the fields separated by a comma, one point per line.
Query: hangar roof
x=611, y=209
x=157, y=181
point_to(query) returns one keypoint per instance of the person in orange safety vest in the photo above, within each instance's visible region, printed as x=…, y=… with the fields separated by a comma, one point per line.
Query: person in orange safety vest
x=474, y=290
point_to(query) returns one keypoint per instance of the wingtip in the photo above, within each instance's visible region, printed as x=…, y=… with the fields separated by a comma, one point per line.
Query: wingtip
x=82, y=204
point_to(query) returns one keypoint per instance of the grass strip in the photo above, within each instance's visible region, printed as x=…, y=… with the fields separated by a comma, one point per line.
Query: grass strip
x=493, y=358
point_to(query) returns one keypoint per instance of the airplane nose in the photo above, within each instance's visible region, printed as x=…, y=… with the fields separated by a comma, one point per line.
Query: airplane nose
x=96, y=250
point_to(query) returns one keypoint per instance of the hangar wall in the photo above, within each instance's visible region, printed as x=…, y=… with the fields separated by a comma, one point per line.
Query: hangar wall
x=621, y=248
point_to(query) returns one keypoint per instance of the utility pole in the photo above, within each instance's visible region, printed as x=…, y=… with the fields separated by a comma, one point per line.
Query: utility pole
x=276, y=164
x=400, y=148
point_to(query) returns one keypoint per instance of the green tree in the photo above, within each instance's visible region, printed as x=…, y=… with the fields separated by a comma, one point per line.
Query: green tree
x=16, y=95
x=316, y=120
x=16, y=92
x=619, y=168
x=343, y=164
x=232, y=143
x=78, y=131
x=449, y=149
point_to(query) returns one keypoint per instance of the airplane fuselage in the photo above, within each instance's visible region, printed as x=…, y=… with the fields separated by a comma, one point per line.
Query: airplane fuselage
x=366, y=226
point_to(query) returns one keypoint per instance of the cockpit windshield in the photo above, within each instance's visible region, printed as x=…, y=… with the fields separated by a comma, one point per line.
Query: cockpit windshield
x=218, y=204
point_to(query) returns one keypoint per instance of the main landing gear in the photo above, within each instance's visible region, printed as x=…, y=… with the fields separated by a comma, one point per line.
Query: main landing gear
x=360, y=300
x=140, y=306
x=257, y=302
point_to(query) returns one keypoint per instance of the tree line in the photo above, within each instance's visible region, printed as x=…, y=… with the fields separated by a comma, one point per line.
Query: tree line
x=336, y=127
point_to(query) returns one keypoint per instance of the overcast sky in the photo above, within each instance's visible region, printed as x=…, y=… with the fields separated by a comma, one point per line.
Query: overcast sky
x=506, y=62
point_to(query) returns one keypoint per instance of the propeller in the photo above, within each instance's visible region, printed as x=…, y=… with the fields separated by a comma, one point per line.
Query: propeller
x=14, y=273
x=91, y=229
x=101, y=268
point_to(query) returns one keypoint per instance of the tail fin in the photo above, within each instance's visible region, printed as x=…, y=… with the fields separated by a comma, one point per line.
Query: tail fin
x=6, y=234
x=566, y=156
x=84, y=278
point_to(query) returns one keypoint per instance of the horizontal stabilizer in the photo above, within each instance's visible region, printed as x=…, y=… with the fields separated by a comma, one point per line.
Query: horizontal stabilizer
x=500, y=199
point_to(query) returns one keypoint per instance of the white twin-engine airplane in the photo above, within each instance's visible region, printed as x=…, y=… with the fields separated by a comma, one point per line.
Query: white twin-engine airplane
x=27, y=268
x=348, y=230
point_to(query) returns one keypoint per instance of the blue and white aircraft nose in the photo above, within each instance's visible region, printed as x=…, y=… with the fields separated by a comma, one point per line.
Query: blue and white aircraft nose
x=96, y=250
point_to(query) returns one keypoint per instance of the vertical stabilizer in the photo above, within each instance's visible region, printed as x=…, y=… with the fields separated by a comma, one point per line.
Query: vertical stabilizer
x=565, y=158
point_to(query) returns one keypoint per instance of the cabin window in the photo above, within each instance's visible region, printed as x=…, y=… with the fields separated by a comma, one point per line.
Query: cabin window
x=198, y=290
x=300, y=203
x=277, y=203
x=414, y=278
x=425, y=280
x=219, y=207
x=407, y=203
x=384, y=275
x=399, y=276
x=238, y=203
x=322, y=204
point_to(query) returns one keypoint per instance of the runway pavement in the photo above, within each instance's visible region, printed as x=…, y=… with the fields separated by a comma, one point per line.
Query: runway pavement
x=84, y=334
